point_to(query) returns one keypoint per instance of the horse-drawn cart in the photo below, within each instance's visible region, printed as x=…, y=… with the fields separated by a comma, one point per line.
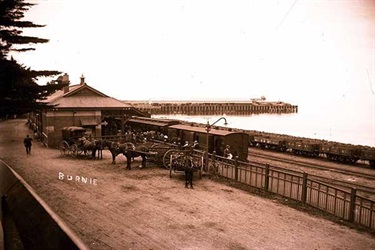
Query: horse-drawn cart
x=71, y=144
x=163, y=151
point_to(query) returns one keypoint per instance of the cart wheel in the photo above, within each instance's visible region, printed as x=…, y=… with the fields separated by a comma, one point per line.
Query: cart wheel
x=170, y=171
x=167, y=157
x=74, y=150
x=64, y=148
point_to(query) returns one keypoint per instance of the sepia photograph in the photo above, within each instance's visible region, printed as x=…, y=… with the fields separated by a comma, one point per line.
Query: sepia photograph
x=185, y=124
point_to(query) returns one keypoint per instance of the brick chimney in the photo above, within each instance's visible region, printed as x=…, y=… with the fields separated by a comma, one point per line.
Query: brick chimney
x=82, y=80
x=65, y=80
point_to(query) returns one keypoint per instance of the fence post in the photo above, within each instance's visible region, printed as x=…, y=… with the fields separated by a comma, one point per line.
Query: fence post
x=214, y=167
x=236, y=168
x=304, y=188
x=267, y=177
x=353, y=195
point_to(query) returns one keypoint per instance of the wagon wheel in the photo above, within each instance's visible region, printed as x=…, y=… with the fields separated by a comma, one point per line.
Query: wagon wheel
x=64, y=148
x=167, y=157
x=159, y=152
x=74, y=150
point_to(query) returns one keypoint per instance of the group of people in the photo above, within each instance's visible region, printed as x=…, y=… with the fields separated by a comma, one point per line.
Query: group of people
x=140, y=136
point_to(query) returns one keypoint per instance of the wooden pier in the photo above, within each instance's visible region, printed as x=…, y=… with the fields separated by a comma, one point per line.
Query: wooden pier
x=213, y=107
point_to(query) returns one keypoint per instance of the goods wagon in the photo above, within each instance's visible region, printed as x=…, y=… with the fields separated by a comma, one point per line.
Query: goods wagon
x=274, y=143
x=341, y=153
x=368, y=154
x=303, y=147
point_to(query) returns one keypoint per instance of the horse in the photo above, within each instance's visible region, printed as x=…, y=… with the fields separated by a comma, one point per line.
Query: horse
x=87, y=145
x=129, y=150
x=101, y=144
x=189, y=166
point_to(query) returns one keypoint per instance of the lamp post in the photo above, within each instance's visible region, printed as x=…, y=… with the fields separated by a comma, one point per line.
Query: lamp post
x=208, y=129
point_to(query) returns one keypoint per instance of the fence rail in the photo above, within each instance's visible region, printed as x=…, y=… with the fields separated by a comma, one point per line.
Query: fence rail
x=345, y=204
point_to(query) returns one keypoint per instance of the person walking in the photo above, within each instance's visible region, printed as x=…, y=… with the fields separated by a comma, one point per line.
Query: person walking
x=27, y=143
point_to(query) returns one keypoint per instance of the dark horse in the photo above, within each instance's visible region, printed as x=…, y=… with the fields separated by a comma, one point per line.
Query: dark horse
x=129, y=150
x=101, y=144
x=188, y=165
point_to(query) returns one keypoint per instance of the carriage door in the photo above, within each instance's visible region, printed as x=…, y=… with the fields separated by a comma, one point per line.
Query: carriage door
x=188, y=136
x=219, y=146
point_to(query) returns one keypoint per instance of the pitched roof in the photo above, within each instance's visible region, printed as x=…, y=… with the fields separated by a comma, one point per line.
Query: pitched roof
x=83, y=96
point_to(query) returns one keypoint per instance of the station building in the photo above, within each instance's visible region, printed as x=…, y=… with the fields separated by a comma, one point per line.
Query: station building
x=84, y=106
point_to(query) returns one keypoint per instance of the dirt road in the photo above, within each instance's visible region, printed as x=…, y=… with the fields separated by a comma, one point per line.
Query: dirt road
x=145, y=209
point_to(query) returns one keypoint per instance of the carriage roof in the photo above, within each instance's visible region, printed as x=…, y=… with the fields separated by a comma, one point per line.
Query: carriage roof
x=153, y=122
x=73, y=131
x=73, y=128
x=213, y=131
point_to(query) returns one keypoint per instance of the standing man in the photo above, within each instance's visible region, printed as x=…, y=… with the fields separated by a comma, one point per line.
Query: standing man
x=27, y=143
x=227, y=153
x=195, y=145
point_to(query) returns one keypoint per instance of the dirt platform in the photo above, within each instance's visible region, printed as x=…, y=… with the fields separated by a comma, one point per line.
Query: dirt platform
x=145, y=209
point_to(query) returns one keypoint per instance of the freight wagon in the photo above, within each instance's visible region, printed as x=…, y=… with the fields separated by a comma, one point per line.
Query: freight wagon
x=341, y=153
x=334, y=151
x=301, y=147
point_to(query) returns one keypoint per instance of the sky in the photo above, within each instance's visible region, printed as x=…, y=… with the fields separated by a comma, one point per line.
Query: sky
x=296, y=51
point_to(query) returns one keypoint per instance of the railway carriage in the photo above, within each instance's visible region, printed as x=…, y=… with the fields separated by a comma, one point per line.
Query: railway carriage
x=150, y=124
x=216, y=140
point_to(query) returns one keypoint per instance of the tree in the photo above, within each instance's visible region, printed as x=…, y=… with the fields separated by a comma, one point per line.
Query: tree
x=19, y=91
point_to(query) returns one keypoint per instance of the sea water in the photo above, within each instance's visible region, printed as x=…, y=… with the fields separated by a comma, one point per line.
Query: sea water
x=333, y=122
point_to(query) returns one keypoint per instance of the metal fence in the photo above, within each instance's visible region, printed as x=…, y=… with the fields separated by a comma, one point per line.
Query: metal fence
x=345, y=204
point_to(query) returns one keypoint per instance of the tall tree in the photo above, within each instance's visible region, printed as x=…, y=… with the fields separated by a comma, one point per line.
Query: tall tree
x=19, y=91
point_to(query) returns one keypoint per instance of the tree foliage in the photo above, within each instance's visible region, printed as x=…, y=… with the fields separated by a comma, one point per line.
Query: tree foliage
x=19, y=91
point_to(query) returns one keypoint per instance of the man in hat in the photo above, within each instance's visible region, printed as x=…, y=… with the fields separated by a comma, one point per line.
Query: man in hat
x=195, y=145
x=27, y=143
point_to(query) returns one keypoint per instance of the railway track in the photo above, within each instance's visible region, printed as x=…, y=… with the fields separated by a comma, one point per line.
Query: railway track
x=367, y=188
x=318, y=167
